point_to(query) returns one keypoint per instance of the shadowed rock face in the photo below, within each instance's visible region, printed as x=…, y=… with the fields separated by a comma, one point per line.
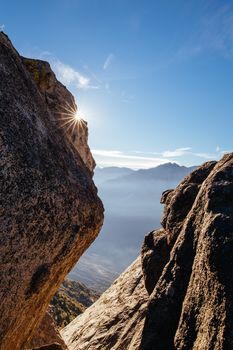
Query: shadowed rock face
x=187, y=266
x=54, y=346
x=158, y=244
x=50, y=212
x=46, y=334
x=191, y=304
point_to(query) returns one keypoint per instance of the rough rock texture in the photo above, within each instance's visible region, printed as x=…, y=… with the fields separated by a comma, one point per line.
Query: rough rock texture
x=62, y=104
x=158, y=244
x=49, y=209
x=110, y=323
x=46, y=334
x=155, y=254
x=191, y=286
x=191, y=305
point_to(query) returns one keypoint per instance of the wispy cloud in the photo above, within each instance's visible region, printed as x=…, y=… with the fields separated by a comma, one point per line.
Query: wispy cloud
x=84, y=77
x=187, y=151
x=69, y=76
x=207, y=156
x=176, y=153
x=2, y=26
x=106, y=153
x=108, y=61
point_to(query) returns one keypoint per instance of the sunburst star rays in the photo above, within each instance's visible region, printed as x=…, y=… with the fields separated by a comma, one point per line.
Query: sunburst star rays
x=70, y=118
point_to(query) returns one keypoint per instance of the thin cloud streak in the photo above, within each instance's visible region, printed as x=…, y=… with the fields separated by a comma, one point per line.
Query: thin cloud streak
x=2, y=26
x=67, y=74
x=206, y=156
x=176, y=153
x=108, y=61
x=187, y=151
x=70, y=76
x=88, y=81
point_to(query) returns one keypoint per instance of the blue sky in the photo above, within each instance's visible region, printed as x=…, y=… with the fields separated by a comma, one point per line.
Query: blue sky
x=154, y=79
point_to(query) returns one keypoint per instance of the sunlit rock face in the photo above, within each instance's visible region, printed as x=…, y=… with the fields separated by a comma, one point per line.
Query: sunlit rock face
x=115, y=320
x=62, y=105
x=50, y=211
x=187, y=269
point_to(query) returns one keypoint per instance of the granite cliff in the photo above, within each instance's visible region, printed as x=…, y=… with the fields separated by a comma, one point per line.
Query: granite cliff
x=50, y=212
x=179, y=293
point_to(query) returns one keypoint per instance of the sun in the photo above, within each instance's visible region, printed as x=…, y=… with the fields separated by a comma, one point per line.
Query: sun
x=77, y=116
x=70, y=118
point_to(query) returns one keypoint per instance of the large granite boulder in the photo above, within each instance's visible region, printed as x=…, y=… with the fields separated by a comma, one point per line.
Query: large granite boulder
x=49, y=212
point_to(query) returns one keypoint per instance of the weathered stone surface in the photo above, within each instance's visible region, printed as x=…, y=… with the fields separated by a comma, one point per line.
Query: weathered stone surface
x=46, y=334
x=49, y=212
x=158, y=244
x=115, y=321
x=191, y=305
x=155, y=254
x=179, y=202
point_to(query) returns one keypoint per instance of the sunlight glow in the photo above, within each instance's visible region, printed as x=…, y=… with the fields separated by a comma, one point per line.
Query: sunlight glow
x=70, y=118
x=77, y=116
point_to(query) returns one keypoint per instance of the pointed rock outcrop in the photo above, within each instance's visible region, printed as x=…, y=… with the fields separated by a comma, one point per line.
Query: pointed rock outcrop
x=62, y=105
x=50, y=212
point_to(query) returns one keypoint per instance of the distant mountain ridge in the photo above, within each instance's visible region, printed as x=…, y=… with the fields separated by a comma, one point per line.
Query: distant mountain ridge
x=110, y=173
x=163, y=172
